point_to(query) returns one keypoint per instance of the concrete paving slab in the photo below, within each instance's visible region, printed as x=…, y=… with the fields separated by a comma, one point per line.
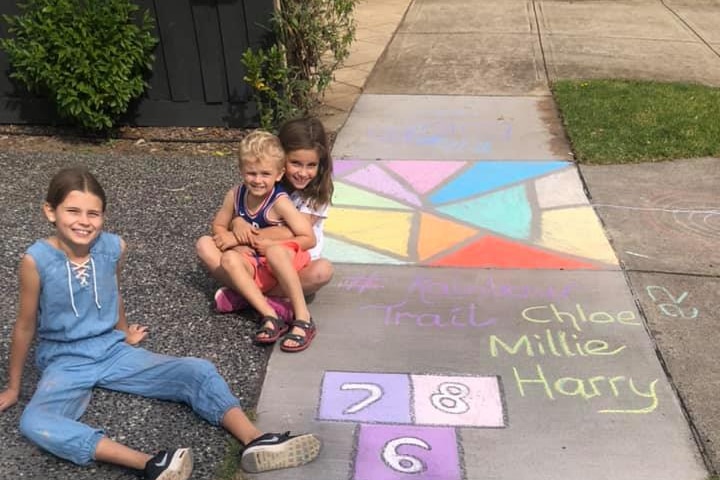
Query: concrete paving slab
x=661, y=216
x=702, y=16
x=436, y=127
x=461, y=64
x=683, y=312
x=664, y=222
x=461, y=16
x=608, y=19
x=411, y=361
x=573, y=57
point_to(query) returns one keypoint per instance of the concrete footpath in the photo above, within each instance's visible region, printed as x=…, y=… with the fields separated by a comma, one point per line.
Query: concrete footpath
x=498, y=312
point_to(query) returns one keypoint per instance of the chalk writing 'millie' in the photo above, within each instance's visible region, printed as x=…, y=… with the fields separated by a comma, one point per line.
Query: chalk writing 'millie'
x=555, y=344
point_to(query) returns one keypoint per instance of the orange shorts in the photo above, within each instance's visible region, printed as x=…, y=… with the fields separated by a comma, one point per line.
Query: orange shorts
x=263, y=274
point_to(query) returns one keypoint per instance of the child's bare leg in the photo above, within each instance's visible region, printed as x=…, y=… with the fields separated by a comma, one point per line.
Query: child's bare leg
x=280, y=260
x=240, y=278
x=239, y=425
x=312, y=278
x=210, y=256
x=112, y=452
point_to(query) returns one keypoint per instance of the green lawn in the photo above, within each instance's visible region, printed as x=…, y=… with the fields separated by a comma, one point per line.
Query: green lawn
x=619, y=121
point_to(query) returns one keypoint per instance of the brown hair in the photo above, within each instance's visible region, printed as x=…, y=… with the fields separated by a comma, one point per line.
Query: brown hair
x=70, y=179
x=308, y=133
x=260, y=145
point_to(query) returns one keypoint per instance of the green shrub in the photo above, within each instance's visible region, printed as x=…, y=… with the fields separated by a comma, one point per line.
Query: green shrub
x=88, y=57
x=313, y=38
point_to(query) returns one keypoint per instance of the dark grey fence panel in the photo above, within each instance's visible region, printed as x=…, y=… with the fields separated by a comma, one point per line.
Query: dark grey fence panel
x=197, y=77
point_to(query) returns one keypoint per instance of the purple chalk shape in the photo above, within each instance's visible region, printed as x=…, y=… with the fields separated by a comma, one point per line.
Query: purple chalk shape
x=402, y=452
x=365, y=397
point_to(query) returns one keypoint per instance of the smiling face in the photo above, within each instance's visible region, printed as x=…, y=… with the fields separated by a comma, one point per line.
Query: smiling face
x=301, y=167
x=260, y=175
x=78, y=220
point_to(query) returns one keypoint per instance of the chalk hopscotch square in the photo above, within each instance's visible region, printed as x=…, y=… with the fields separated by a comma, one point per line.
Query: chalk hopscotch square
x=457, y=401
x=400, y=452
x=365, y=397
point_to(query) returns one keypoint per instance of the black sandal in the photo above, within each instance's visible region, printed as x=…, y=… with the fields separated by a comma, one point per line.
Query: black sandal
x=278, y=329
x=302, y=342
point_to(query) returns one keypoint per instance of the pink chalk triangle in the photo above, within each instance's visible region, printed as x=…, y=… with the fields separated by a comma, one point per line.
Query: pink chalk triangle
x=340, y=167
x=424, y=175
x=378, y=180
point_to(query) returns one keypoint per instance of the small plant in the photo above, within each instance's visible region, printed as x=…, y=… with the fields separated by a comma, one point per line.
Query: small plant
x=313, y=38
x=88, y=57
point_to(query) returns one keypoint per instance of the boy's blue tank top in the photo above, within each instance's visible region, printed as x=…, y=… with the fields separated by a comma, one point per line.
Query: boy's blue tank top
x=259, y=218
x=76, y=306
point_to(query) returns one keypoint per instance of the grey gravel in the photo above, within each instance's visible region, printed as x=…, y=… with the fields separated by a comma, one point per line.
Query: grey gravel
x=160, y=207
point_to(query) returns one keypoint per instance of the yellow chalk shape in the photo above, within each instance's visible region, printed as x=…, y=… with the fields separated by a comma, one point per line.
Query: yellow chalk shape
x=381, y=229
x=437, y=234
x=349, y=195
x=576, y=231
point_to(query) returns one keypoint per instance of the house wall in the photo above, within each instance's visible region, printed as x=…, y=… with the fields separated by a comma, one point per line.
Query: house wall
x=197, y=77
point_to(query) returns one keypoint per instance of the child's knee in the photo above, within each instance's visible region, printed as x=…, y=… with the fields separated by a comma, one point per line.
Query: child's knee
x=31, y=424
x=205, y=248
x=231, y=260
x=324, y=271
x=319, y=273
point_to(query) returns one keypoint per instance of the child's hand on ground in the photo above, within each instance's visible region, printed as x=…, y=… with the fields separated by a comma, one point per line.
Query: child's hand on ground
x=136, y=334
x=225, y=241
x=243, y=231
x=8, y=398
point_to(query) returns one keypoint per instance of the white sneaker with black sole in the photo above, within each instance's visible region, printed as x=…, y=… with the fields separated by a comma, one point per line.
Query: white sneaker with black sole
x=170, y=465
x=272, y=451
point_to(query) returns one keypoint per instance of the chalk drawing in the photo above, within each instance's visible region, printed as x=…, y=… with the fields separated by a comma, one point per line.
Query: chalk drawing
x=406, y=313
x=401, y=452
x=394, y=398
x=671, y=309
x=617, y=389
x=360, y=283
x=459, y=213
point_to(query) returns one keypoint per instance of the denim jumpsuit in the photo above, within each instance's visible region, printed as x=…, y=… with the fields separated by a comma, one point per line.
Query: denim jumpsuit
x=79, y=348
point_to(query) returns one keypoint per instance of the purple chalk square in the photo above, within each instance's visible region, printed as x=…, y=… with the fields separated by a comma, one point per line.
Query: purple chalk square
x=365, y=397
x=402, y=452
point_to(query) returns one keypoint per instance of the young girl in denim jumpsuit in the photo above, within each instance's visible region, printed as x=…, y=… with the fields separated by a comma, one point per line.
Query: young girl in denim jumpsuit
x=69, y=296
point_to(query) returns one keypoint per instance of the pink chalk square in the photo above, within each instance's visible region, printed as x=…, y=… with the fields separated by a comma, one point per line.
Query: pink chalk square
x=457, y=401
x=402, y=452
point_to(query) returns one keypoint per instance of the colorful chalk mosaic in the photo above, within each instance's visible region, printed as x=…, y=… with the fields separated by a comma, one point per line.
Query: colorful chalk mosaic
x=509, y=214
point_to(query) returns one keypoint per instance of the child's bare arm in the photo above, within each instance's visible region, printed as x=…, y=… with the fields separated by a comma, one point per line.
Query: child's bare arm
x=281, y=232
x=134, y=333
x=23, y=331
x=296, y=222
x=221, y=225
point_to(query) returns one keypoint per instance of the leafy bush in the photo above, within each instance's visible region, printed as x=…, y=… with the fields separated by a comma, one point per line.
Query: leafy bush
x=87, y=56
x=313, y=38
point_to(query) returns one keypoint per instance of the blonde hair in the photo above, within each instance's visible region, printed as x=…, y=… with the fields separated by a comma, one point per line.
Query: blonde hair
x=259, y=146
